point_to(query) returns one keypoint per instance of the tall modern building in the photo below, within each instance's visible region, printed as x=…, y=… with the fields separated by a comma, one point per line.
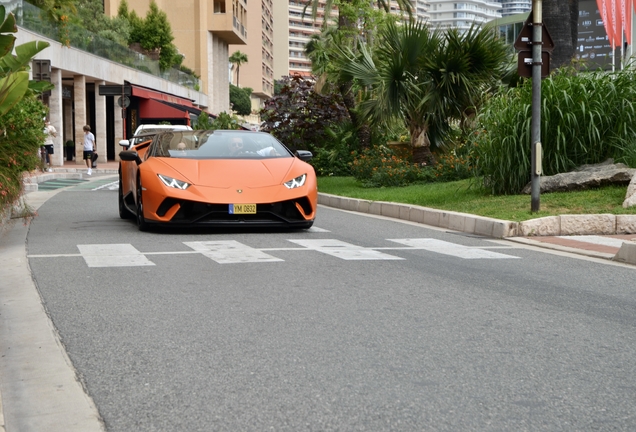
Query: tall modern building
x=258, y=72
x=512, y=7
x=203, y=31
x=447, y=14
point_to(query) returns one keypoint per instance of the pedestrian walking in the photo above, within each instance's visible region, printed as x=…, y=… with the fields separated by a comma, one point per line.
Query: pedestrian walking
x=48, y=148
x=89, y=148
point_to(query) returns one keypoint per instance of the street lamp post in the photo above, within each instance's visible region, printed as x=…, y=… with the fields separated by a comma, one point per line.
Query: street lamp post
x=537, y=28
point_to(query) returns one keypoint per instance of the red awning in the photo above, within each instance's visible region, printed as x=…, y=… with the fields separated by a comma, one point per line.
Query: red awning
x=153, y=94
x=154, y=109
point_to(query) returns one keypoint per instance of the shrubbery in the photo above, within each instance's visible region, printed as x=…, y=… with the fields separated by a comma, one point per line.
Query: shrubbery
x=585, y=118
x=22, y=135
x=381, y=167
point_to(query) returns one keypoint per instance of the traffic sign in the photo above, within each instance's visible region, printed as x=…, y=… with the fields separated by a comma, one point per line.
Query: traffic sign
x=123, y=101
x=524, y=39
x=524, y=64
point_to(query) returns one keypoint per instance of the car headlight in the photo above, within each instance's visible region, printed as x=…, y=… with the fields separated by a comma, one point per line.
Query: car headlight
x=173, y=183
x=297, y=182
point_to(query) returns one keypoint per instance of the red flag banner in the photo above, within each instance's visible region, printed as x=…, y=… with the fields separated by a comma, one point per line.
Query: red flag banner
x=602, y=9
x=614, y=23
x=629, y=8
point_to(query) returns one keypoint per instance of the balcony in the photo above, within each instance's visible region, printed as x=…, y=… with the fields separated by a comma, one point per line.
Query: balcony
x=223, y=23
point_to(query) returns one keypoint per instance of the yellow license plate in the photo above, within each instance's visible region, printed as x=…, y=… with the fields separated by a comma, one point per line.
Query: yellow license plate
x=242, y=208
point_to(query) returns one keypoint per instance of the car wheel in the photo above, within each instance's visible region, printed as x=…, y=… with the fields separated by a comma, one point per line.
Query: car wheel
x=124, y=213
x=141, y=222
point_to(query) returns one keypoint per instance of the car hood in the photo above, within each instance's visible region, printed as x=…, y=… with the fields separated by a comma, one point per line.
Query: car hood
x=225, y=173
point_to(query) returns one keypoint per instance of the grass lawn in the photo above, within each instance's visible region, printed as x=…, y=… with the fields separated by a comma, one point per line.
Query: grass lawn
x=466, y=197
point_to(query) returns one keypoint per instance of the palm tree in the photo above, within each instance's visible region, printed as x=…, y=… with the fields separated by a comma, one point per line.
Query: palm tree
x=237, y=59
x=348, y=25
x=561, y=18
x=425, y=78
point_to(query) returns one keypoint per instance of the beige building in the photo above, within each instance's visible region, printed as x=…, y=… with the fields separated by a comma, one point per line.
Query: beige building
x=258, y=72
x=203, y=31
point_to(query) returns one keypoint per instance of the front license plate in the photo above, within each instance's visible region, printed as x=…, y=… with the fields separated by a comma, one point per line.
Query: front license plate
x=242, y=208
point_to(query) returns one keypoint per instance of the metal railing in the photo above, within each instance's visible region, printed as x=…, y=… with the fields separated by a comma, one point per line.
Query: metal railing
x=34, y=19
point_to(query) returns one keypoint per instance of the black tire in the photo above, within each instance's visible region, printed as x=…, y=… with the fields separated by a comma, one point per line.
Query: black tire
x=141, y=222
x=124, y=213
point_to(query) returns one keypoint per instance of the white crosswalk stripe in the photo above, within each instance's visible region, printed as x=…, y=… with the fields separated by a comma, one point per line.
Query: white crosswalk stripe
x=113, y=255
x=343, y=250
x=234, y=252
x=452, y=249
x=230, y=252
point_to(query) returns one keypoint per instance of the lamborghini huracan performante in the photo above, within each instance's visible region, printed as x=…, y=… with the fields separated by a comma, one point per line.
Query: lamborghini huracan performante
x=216, y=178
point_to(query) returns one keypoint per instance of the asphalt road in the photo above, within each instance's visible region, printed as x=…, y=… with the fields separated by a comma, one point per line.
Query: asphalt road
x=359, y=324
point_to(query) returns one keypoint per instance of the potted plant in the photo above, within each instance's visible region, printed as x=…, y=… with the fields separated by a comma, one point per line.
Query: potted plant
x=69, y=148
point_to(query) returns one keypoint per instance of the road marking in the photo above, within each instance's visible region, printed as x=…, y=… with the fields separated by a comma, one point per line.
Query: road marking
x=343, y=250
x=109, y=186
x=452, y=249
x=230, y=252
x=599, y=240
x=113, y=255
x=317, y=230
x=233, y=252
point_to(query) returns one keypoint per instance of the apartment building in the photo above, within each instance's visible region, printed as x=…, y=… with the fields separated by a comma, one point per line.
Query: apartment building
x=447, y=14
x=258, y=72
x=294, y=27
x=203, y=32
x=513, y=7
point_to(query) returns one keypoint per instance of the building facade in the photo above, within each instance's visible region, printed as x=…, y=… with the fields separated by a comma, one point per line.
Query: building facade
x=203, y=32
x=462, y=15
x=513, y=7
x=258, y=72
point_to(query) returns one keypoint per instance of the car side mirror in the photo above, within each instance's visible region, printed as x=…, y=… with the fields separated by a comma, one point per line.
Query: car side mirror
x=130, y=156
x=304, y=155
x=124, y=143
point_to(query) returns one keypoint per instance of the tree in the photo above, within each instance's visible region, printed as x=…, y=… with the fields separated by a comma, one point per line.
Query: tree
x=561, y=18
x=240, y=100
x=299, y=116
x=157, y=35
x=90, y=15
x=349, y=15
x=55, y=9
x=237, y=59
x=426, y=78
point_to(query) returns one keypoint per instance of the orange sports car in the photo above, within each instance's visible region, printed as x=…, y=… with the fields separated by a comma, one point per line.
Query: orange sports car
x=216, y=178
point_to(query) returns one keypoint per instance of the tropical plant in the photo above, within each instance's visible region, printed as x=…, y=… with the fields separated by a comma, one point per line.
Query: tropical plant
x=238, y=59
x=335, y=156
x=14, y=75
x=226, y=121
x=586, y=118
x=425, y=78
x=22, y=135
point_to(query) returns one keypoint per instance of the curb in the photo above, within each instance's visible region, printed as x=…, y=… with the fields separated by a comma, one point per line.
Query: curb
x=627, y=253
x=605, y=224
x=455, y=221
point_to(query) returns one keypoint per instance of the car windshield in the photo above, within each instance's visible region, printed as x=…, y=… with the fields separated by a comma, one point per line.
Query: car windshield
x=218, y=144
